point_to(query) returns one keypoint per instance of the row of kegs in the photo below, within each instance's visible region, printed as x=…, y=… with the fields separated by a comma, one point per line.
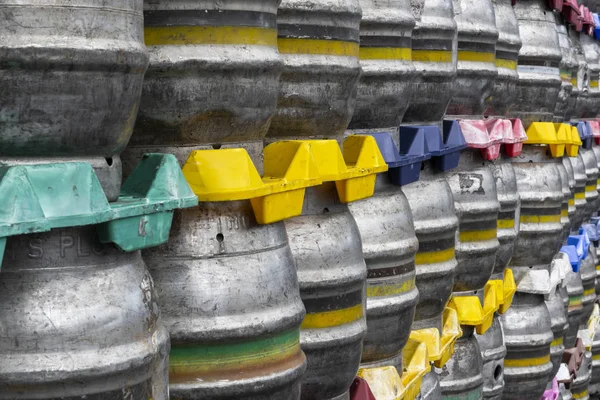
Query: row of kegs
x=369, y=188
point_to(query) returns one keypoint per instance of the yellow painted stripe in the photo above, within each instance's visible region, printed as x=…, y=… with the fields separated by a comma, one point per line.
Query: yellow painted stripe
x=441, y=56
x=318, y=46
x=574, y=81
x=596, y=357
x=432, y=257
x=572, y=202
x=580, y=196
x=594, y=84
x=182, y=35
x=591, y=188
x=476, y=56
x=540, y=219
x=506, y=223
x=385, y=53
x=589, y=292
x=477, y=236
x=598, y=267
x=598, y=181
x=508, y=64
x=564, y=213
x=329, y=319
x=390, y=290
x=527, y=362
x=556, y=342
x=580, y=395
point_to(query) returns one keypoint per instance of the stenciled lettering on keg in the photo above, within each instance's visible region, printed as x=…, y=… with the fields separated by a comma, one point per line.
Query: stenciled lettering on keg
x=575, y=308
x=80, y=320
x=476, y=67
x=385, y=85
x=434, y=59
x=538, y=67
x=435, y=221
x=590, y=98
x=213, y=77
x=528, y=336
x=493, y=350
x=229, y=294
x=591, y=185
x=71, y=77
x=332, y=273
x=319, y=44
x=567, y=66
x=389, y=245
x=507, y=54
x=461, y=378
x=540, y=190
x=559, y=325
x=476, y=203
x=578, y=167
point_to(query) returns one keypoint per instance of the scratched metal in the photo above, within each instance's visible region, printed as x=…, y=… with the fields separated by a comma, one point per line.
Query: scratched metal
x=385, y=85
x=434, y=33
x=79, y=320
x=71, y=74
x=430, y=387
x=219, y=91
x=389, y=245
x=539, y=58
x=327, y=249
x=462, y=376
x=476, y=203
x=559, y=325
x=319, y=82
x=225, y=282
x=432, y=207
x=476, y=69
x=493, y=351
x=540, y=188
x=575, y=308
x=527, y=336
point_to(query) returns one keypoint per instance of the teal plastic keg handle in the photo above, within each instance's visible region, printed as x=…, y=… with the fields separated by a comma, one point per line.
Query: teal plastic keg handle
x=38, y=198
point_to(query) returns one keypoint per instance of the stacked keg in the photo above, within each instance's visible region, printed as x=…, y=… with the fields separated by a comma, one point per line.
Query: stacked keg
x=79, y=308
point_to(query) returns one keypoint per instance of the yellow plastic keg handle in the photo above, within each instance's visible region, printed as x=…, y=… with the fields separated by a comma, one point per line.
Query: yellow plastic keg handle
x=290, y=167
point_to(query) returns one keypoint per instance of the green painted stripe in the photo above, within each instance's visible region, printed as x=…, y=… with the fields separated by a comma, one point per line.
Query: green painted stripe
x=273, y=348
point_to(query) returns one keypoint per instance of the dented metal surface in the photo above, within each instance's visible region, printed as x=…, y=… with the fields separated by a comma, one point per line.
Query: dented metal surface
x=435, y=221
x=319, y=44
x=389, y=245
x=82, y=319
x=71, y=80
x=229, y=294
x=332, y=273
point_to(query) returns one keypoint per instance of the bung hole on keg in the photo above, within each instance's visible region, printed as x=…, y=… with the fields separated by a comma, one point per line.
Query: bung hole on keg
x=220, y=237
x=497, y=372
